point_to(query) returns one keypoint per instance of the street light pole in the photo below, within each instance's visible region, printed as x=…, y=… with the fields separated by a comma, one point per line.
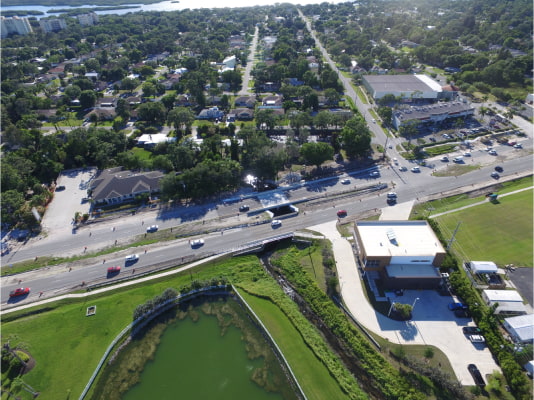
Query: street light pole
x=415, y=301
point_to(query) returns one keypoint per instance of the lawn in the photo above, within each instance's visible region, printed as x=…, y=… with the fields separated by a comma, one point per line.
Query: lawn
x=500, y=232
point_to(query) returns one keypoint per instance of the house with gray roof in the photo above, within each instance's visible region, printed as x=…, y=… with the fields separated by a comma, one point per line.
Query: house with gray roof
x=115, y=185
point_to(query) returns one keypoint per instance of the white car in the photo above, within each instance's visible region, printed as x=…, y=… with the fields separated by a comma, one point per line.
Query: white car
x=477, y=338
x=467, y=154
x=492, y=152
x=131, y=258
x=395, y=161
x=392, y=195
x=403, y=168
x=416, y=169
x=345, y=181
x=152, y=228
x=197, y=242
x=276, y=223
x=374, y=174
x=518, y=146
x=444, y=158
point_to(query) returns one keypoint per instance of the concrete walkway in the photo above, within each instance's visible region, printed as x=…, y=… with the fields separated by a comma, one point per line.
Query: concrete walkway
x=480, y=202
x=399, y=212
x=432, y=323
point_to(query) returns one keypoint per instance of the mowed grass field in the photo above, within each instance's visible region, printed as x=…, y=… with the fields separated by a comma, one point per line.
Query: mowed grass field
x=500, y=232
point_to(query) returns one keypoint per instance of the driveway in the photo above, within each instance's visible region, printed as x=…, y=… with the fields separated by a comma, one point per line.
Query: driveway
x=432, y=323
x=60, y=212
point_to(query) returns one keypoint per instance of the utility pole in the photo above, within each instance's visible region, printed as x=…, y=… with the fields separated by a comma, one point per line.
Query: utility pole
x=453, y=235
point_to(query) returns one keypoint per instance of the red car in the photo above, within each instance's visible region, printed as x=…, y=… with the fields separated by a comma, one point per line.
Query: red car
x=19, y=292
x=342, y=213
x=114, y=270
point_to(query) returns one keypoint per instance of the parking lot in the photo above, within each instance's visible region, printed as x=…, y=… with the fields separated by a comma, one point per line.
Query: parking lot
x=61, y=210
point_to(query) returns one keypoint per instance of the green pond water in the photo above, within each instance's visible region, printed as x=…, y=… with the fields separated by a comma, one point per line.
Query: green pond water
x=207, y=351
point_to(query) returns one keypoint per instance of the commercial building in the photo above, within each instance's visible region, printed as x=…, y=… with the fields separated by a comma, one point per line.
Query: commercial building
x=483, y=267
x=431, y=113
x=520, y=328
x=507, y=302
x=15, y=25
x=52, y=24
x=406, y=254
x=115, y=185
x=402, y=86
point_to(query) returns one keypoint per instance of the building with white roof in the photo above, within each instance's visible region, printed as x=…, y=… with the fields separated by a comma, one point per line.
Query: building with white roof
x=151, y=140
x=404, y=86
x=520, y=328
x=483, y=267
x=508, y=301
x=407, y=254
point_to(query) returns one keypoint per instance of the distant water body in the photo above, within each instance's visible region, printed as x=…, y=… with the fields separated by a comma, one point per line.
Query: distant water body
x=170, y=6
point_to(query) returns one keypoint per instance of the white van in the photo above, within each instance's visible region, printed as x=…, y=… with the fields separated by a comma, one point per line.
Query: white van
x=459, y=159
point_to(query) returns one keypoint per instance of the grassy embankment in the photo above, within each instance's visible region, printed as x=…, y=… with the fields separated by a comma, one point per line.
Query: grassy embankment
x=67, y=345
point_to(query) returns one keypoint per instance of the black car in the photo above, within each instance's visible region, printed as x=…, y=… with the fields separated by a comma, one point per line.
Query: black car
x=244, y=207
x=477, y=376
x=471, y=330
x=498, y=168
x=462, y=313
x=60, y=188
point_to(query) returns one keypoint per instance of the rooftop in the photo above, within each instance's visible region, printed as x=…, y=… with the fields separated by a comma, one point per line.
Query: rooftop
x=399, y=238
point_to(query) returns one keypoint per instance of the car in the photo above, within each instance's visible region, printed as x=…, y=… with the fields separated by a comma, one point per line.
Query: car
x=152, y=228
x=244, y=207
x=457, y=306
x=374, y=174
x=342, y=213
x=492, y=152
x=467, y=154
x=498, y=168
x=471, y=330
x=477, y=376
x=275, y=223
x=374, y=120
x=345, y=181
x=444, y=159
x=512, y=143
x=197, y=243
x=19, y=292
x=60, y=188
x=392, y=195
x=415, y=169
x=458, y=159
x=395, y=161
x=131, y=258
x=495, y=175
x=403, y=168
x=518, y=146
x=477, y=339
x=462, y=313
x=114, y=270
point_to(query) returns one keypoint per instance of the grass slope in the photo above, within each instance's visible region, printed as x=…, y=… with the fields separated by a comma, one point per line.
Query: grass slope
x=500, y=232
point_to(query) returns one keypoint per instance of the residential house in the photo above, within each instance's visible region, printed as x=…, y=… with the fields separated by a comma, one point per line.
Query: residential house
x=103, y=114
x=212, y=113
x=243, y=114
x=245, y=101
x=115, y=185
x=272, y=102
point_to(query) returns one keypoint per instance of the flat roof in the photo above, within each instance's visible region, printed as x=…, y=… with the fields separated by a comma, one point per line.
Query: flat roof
x=398, y=238
x=402, y=83
x=483, y=267
x=503, y=295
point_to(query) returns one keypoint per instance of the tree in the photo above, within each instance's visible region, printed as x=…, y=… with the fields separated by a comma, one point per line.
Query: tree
x=12, y=201
x=149, y=89
x=152, y=112
x=73, y=92
x=356, y=137
x=317, y=153
x=87, y=99
x=385, y=114
x=181, y=118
